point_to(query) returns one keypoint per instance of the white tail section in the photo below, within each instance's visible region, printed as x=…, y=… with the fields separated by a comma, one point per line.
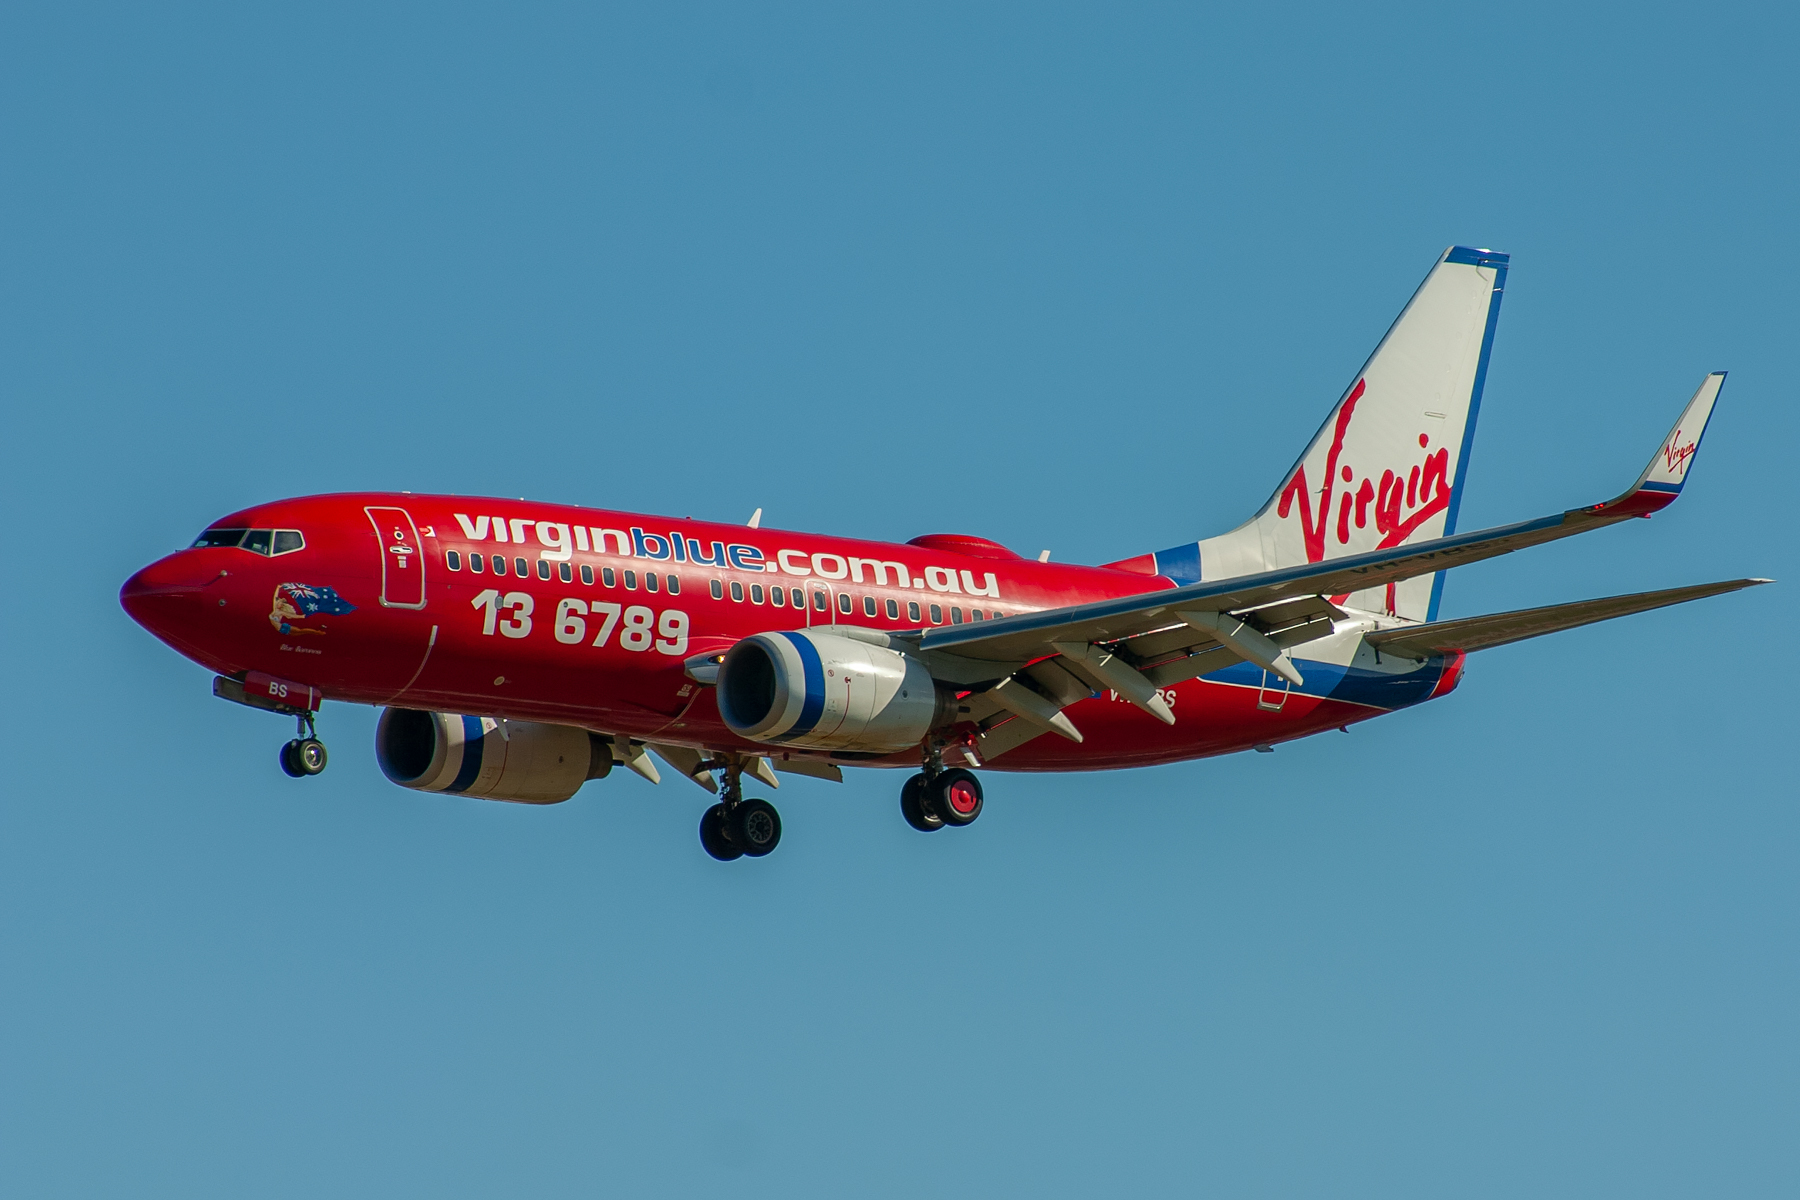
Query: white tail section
x=1387, y=467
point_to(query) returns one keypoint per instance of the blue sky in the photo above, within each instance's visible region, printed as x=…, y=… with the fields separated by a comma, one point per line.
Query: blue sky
x=1067, y=278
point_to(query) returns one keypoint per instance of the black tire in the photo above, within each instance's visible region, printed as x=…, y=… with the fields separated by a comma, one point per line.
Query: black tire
x=956, y=795
x=913, y=807
x=289, y=762
x=756, y=827
x=310, y=756
x=712, y=835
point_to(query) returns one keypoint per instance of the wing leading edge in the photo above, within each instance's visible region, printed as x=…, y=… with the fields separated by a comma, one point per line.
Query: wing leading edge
x=1021, y=639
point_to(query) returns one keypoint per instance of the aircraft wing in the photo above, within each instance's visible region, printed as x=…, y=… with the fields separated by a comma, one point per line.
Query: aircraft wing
x=1500, y=629
x=1136, y=644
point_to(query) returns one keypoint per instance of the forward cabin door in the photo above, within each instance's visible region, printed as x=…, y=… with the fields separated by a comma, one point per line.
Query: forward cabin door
x=402, y=558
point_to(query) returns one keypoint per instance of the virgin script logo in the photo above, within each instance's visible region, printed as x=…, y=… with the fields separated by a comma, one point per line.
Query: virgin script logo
x=1402, y=503
x=1676, y=455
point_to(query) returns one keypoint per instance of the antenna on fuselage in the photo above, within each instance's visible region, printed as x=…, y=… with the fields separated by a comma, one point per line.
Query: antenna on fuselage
x=1043, y=556
x=755, y=519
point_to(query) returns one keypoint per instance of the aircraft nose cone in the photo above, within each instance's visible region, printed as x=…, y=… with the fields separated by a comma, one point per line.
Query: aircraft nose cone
x=158, y=594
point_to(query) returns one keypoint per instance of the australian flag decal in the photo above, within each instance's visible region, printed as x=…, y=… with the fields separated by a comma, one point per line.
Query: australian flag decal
x=295, y=602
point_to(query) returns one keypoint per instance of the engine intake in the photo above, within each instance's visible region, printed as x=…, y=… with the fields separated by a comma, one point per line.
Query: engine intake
x=525, y=762
x=824, y=691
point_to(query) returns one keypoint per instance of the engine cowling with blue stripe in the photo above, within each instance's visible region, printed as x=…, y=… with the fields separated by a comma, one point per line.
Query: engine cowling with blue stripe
x=821, y=691
x=525, y=762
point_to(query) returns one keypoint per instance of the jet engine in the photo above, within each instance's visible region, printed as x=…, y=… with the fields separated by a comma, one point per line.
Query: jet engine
x=825, y=691
x=522, y=761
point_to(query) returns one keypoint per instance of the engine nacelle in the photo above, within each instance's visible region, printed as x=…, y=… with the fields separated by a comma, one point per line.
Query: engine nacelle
x=521, y=761
x=824, y=691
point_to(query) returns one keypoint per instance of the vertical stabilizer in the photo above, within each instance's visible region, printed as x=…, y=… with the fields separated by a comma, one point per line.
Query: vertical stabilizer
x=1387, y=467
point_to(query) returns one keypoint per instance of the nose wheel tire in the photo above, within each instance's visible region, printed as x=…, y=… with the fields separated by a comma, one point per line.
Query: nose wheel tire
x=920, y=815
x=303, y=756
x=756, y=827
x=713, y=835
x=956, y=796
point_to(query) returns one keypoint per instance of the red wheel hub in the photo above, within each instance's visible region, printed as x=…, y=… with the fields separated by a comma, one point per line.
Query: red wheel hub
x=963, y=798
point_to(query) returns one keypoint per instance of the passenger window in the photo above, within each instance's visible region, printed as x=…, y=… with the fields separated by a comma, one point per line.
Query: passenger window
x=608, y=578
x=476, y=564
x=799, y=598
x=893, y=610
x=737, y=590
x=453, y=560
x=718, y=590
x=587, y=574
x=778, y=597
x=912, y=610
x=543, y=569
x=213, y=538
x=937, y=615
x=651, y=583
x=258, y=541
x=956, y=616
x=674, y=585
x=976, y=615
x=868, y=606
x=631, y=581
x=288, y=540
x=821, y=602
x=756, y=593
x=520, y=569
x=500, y=564
x=565, y=572
x=844, y=602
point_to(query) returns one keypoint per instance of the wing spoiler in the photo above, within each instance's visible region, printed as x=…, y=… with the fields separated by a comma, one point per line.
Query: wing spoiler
x=1020, y=639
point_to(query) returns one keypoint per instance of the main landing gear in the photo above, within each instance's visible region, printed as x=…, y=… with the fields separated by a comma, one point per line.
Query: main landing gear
x=305, y=755
x=735, y=827
x=935, y=797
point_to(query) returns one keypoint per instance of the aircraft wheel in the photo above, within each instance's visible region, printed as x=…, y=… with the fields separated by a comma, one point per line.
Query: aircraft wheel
x=756, y=826
x=956, y=795
x=713, y=837
x=309, y=755
x=289, y=763
x=913, y=808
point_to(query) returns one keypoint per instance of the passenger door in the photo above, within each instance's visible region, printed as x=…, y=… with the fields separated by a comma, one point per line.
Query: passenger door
x=402, y=557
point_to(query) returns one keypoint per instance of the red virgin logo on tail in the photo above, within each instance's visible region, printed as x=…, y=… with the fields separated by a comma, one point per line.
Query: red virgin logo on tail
x=1401, y=503
x=1675, y=455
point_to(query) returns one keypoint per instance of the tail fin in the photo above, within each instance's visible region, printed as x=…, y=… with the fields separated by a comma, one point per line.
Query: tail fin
x=1387, y=467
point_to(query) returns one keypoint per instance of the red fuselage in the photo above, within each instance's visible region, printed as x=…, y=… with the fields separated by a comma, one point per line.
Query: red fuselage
x=585, y=617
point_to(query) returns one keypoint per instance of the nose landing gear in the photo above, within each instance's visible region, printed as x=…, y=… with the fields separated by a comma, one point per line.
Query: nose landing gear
x=305, y=755
x=736, y=827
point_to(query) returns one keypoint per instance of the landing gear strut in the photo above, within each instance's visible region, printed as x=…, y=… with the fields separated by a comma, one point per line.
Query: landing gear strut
x=735, y=827
x=305, y=755
x=936, y=797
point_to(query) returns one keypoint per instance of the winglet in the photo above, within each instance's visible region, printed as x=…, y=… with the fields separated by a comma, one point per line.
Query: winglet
x=1662, y=480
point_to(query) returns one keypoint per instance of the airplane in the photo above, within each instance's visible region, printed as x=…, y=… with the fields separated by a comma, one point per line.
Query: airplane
x=519, y=649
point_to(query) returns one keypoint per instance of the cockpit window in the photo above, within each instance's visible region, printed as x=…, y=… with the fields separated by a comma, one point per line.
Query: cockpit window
x=220, y=537
x=257, y=541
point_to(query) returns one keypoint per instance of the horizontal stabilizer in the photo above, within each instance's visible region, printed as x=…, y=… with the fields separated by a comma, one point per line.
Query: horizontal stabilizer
x=1500, y=629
